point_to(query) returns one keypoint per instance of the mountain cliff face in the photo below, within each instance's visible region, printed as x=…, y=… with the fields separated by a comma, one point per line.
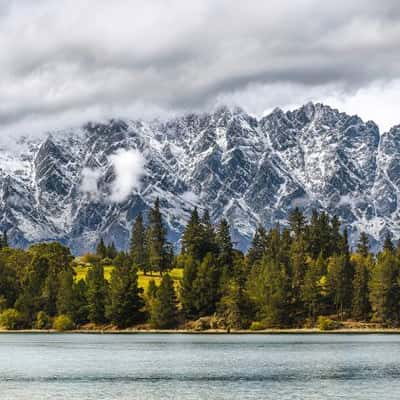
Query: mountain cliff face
x=252, y=171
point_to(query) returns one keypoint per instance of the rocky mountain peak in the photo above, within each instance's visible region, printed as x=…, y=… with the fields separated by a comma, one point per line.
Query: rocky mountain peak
x=252, y=171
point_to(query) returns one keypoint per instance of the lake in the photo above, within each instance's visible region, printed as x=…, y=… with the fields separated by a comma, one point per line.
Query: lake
x=158, y=366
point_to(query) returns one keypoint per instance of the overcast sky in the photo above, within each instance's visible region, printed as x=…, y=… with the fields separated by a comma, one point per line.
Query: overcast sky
x=68, y=61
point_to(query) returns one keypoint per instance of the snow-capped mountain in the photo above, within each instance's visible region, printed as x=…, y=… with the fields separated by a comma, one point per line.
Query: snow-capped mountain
x=252, y=171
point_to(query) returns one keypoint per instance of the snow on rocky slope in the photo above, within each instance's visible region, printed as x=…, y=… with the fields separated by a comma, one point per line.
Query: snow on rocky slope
x=252, y=171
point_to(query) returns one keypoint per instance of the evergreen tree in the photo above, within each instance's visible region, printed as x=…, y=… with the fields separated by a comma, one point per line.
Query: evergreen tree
x=298, y=261
x=65, y=294
x=150, y=296
x=361, y=306
x=209, y=241
x=314, y=290
x=157, y=240
x=50, y=292
x=206, y=286
x=125, y=308
x=96, y=293
x=268, y=287
x=388, y=244
x=80, y=307
x=5, y=240
x=384, y=288
x=258, y=246
x=111, y=251
x=297, y=222
x=338, y=285
x=192, y=238
x=9, y=285
x=187, y=293
x=164, y=311
x=363, y=244
x=138, y=249
x=224, y=242
x=101, y=249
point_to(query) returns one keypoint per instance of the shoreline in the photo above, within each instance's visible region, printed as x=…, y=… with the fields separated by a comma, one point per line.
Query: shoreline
x=365, y=331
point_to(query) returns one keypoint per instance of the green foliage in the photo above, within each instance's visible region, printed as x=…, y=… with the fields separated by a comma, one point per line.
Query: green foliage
x=233, y=306
x=385, y=290
x=258, y=246
x=361, y=307
x=43, y=321
x=11, y=319
x=206, y=286
x=65, y=294
x=138, y=245
x=156, y=240
x=257, y=326
x=288, y=278
x=96, y=294
x=126, y=302
x=224, y=243
x=268, y=288
x=187, y=293
x=326, y=324
x=164, y=313
x=63, y=323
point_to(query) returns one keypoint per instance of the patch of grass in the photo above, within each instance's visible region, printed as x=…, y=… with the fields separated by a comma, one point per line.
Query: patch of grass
x=143, y=280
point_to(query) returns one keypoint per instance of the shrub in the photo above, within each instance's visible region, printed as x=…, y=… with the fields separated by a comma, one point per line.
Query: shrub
x=63, y=323
x=42, y=321
x=257, y=326
x=326, y=324
x=11, y=319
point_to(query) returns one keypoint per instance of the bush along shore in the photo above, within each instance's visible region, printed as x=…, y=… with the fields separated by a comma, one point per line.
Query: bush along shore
x=300, y=278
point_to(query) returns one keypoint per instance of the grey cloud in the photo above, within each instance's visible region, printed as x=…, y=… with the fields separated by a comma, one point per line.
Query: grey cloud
x=77, y=60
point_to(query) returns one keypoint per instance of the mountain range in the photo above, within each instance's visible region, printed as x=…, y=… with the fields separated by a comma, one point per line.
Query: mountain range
x=250, y=170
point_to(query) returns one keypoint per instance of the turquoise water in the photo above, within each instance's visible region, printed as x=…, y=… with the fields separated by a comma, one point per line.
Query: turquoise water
x=73, y=366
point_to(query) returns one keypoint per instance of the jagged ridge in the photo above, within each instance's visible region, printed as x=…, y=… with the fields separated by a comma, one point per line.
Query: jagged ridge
x=252, y=171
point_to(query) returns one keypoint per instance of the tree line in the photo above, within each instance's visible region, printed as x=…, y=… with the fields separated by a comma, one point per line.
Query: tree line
x=290, y=277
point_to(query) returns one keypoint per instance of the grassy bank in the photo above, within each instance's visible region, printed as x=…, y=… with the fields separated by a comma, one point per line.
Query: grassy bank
x=143, y=280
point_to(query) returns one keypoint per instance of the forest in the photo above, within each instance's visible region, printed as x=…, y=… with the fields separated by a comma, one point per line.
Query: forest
x=302, y=275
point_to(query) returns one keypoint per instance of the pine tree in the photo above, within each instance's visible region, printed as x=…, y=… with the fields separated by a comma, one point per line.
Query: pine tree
x=206, y=286
x=65, y=294
x=101, y=249
x=337, y=283
x=384, y=288
x=150, y=296
x=297, y=222
x=164, y=313
x=157, y=240
x=187, y=293
x=269, y=289
x=97, y=291
x=138, y=249
x=5, y=240
x=209, y=241
x=361, y=307
x=363, y=244
x=192, y=238
x=313, y=291
x=225, y=246
x=388, y=244
x=111, y=251
x=298, y=261
x=258, y=246
x=79, y=299
x=125, y=308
